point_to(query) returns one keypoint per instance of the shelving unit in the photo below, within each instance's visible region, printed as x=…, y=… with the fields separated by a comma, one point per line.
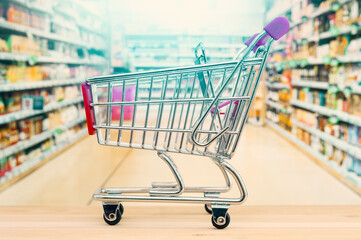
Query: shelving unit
x=343, y=116
x=278, y=106
x=13, y=27
x=30, y=166
x=9, y=87
x=34, y=140
x=167, y=51
x=79, y=48
x=350, y=179
x=29, y=113
x=297, y=71
x=310, y=84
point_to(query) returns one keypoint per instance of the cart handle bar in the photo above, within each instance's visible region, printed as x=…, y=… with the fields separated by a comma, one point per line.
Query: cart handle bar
x=275, y=29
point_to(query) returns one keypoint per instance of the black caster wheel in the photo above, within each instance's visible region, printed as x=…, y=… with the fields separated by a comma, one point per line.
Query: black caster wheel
x=221, y=222
x=208, y=208
x=113, y=214
x=121, y=208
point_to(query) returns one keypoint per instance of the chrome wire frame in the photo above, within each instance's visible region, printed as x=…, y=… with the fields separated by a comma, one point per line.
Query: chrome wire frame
x=199, y=110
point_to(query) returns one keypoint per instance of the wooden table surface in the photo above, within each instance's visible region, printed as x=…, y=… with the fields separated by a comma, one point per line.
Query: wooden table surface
x=181, y=221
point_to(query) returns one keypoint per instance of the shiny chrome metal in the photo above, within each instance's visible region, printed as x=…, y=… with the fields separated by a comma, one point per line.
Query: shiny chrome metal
x=197, y=110
x=239, y=65
x=179, y=188
x=119, y=194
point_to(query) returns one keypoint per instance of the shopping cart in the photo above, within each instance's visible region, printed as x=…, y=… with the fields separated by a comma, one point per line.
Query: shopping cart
x=198, y=110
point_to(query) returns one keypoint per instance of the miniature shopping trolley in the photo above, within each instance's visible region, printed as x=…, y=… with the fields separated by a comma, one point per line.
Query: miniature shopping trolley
x=197, y=110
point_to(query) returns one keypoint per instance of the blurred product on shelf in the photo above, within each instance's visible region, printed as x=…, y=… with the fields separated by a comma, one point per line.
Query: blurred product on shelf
x=36, y=100
x=14, y=132
x=23, y=73
x=23, y=161
x=14, y=12
x=25, y=45
x=166, y=51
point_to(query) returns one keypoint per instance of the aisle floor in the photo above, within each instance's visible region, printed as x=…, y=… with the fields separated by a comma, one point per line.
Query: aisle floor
x=275, y=173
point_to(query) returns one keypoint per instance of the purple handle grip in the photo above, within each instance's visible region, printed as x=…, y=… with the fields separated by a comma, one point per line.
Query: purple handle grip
x=278, y=27
x=251, y=39
x=260, y=42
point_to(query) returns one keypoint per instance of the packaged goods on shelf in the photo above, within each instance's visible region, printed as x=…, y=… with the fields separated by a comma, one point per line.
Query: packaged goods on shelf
x=4, y=46
x=62, y=116
x=16, y=101
x=64, y=26
x=24, y=45
x=334, y=98
x=14, y=12
x=10, y=163
x=273, y=95
x=25, y=129
x=306, y=117
x=61, y=136
x=353, y=164
x=22, y=73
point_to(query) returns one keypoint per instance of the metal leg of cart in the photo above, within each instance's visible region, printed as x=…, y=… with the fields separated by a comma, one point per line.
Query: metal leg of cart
x=171, y=191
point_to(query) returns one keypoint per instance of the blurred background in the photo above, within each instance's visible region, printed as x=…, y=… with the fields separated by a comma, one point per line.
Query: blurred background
x=302, y=142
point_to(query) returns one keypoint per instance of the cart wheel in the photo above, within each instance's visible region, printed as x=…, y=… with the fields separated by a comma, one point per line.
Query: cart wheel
x=208, y=208
x=113, y=218
x=121, y=208
x=113, y=213
x=221, y=222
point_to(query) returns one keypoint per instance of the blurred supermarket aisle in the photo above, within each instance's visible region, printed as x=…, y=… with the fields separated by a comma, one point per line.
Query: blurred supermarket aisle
x=275, y=172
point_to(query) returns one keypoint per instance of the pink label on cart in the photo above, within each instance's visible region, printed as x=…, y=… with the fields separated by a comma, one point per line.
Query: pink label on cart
x=118, y=97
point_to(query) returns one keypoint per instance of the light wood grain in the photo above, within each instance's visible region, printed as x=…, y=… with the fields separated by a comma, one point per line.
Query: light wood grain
x=185, y=222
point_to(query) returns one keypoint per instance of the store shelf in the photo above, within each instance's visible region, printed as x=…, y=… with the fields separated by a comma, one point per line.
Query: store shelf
x=29, y=113
x=84, y=6
x=277, y=48
x=343, y=116
x=315, y=61
x=31, y=165
x=71, y=124
x=350, y=58
x=277, y=85
x=156, y=65
x=68, y=60
x=25, y=144
x=354, y=58
x=8, y=87
x=278, y=106
x=310, y=84
x=278, y=11
x=7, y=56
x=317, y=13
x=350, y=179
x=40, y=33
x=338, y=143
x=32, y=6
x=22, y=145
x=322, y=85
x=328, y=34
